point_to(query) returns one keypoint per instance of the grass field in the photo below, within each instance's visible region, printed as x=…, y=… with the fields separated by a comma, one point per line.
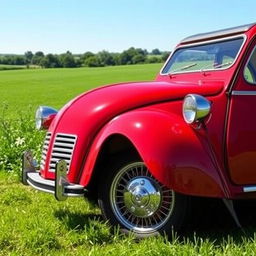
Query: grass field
x=54, y=87
x=34, y=223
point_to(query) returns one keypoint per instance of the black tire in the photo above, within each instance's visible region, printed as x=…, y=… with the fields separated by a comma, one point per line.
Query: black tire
x=129, y=196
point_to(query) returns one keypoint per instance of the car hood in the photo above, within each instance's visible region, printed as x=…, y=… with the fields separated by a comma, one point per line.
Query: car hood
x=96, y=107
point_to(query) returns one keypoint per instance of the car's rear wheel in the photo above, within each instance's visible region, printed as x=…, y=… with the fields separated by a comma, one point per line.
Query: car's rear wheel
x=132, y=198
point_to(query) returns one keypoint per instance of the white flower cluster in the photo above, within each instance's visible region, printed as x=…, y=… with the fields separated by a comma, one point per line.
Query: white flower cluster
x=19, y=141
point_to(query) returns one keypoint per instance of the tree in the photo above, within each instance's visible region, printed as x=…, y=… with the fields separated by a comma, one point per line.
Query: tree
x=93, y=61
x=126, y=56
x=67, y=60
x=7, y=60
x=139, y=58
x=86, y=55
x=78, y=62
x=28, y=57
x=50, y=61
x=141, y=51
x=39, y=54
x=165, y=55
x=156, y=52
x=37, y=58
x=106, y=58
x=154, y=59
x=116, y=57
x=18, y=60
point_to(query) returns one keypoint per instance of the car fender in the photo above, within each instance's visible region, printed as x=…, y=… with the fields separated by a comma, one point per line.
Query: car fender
x=175, y=153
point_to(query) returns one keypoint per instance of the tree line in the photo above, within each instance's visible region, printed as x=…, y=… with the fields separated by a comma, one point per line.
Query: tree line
x=88, y=59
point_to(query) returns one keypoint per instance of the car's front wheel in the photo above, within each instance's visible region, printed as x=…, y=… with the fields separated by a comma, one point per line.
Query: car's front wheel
x=132, y=198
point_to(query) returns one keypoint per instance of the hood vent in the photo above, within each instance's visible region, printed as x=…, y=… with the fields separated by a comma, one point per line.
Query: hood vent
x=63, y=148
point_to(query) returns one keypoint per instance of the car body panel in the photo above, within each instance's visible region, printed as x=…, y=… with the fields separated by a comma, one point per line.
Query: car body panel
x=168, y=147
x=241, y=129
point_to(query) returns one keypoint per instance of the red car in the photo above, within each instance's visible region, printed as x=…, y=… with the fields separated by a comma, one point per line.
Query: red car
x=143, y=149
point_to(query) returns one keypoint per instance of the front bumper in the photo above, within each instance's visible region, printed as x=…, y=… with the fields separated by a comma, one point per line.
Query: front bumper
x=60, y=187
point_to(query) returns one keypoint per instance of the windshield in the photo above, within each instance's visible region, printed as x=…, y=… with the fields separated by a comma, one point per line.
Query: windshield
x=210, y=56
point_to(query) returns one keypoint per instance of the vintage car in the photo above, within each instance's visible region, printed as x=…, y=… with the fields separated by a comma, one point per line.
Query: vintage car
x=143, y=149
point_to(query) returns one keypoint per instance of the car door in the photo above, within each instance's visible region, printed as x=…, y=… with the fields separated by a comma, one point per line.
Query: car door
x=241, y=128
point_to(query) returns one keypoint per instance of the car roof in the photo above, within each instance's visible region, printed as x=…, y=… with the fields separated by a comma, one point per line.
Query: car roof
x=218, y=33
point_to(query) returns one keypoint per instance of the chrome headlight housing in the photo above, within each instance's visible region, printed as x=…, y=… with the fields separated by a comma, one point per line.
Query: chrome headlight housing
x=44, y=116
x=195, y=107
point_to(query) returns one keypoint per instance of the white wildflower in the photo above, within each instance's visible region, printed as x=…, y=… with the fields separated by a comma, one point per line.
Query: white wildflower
x=19, y=141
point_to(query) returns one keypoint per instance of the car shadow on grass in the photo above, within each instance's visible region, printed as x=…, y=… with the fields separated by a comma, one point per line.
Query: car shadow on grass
x=87, y=228
x=77, y=220
x=210, y=219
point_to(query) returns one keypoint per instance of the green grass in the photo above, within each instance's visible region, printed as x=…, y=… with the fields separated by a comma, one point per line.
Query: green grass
x=34, y=223
x=23, y=91
x=54, y=87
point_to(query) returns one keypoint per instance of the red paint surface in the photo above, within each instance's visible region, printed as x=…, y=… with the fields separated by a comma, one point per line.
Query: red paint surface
x=241, y=131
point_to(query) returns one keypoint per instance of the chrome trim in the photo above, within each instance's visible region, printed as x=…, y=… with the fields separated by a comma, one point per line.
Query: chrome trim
x=143, y=197
x=29, y=164
x=202, y=43
x=42, y=113
x=45, y=150
x=221, y=32
x=62, y=148
x=244, y=93
x=60, y=186
x=249, y=189
x=195, y=107
x=36, y=181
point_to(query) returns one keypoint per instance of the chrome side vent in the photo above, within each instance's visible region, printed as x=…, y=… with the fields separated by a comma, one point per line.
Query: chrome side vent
x=63, y=148
x=45, y=150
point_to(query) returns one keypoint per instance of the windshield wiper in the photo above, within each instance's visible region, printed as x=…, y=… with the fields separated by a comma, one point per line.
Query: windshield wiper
x=183, y=68
x=217, y=66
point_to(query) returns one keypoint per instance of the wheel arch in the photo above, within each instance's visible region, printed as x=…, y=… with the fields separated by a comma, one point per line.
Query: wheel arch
x=173, y=151
x=113, y=147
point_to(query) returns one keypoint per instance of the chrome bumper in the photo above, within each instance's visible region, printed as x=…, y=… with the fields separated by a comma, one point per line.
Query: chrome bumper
x=60, y=187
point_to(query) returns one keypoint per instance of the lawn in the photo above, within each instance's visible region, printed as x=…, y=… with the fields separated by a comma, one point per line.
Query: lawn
x=54, y=87
x=34, y=223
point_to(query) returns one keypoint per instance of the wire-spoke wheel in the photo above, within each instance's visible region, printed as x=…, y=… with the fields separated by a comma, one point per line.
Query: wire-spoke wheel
x=132, y=198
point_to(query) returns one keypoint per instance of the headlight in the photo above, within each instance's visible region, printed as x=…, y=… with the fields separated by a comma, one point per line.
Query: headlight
x=195, y=107
x=44, y=116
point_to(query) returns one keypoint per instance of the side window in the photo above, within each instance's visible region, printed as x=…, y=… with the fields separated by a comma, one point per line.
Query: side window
x=250, y=69
x=248, y=76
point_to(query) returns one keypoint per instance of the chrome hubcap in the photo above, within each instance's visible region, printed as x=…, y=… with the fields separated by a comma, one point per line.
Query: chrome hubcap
x=142, y=197
x=139, y=201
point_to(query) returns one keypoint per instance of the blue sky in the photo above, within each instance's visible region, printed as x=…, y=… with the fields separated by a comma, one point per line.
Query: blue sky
x=55, y=26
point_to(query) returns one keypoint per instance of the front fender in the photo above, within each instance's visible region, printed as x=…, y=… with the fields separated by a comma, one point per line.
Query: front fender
x=175, y=153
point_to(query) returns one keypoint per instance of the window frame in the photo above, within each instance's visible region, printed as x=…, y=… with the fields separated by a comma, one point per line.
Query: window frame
x=204, y=43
